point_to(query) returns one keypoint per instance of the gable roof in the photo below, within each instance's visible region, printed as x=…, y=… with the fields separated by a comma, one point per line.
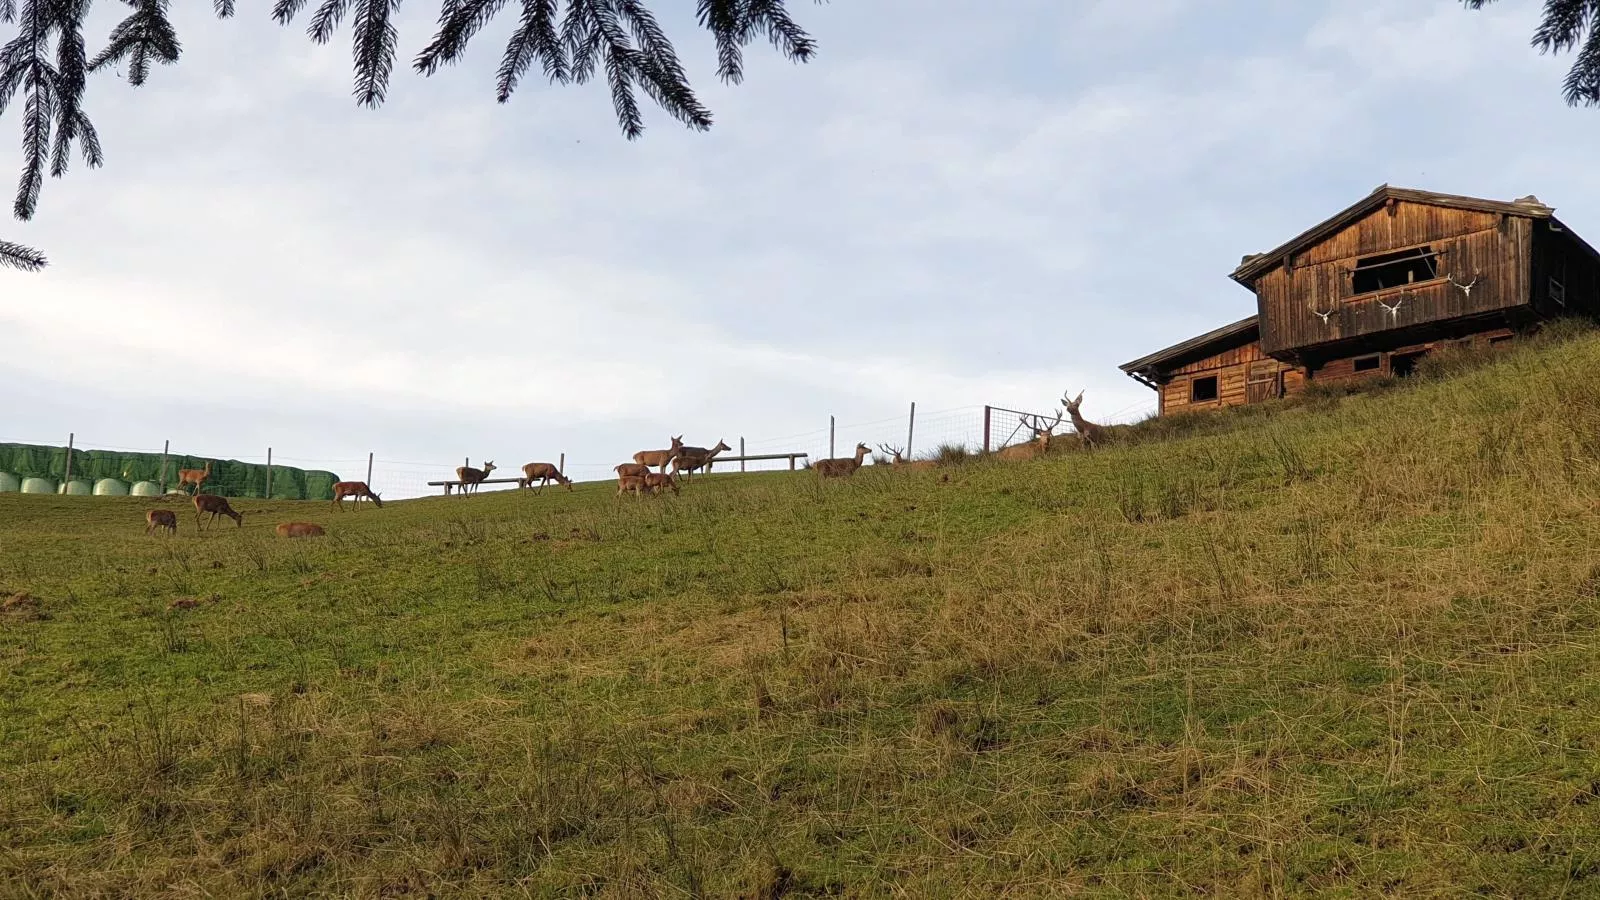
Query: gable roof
x=1257, y=264
x=1212, y=342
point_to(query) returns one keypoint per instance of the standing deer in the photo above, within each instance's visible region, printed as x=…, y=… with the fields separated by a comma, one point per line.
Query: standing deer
x=627, y=469
x=691, y=458
x=1038, y=446
x=544, y=473
x=660, y=458
x=196, y=477
x=356, y=489
x=898, y=461
x=657, y=483
x=164, y=519
x=634, y=484
x=844, y=465
x=471, y=478
x=216, y=506
x=1091, y=434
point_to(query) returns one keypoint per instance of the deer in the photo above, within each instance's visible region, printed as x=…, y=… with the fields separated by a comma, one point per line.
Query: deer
x=691, y=458
x=897, y=459
x=660, y=457
x=470, y=478
x=216, y=506
x=659, y=482
x=1038, y=446
x=634, y=484
x=843, y=466
x=626, y=469
x=1091, y=434
x=299, y=529
x=544, y=473
x=356, y=489
x=196, y=477
x=164, y=519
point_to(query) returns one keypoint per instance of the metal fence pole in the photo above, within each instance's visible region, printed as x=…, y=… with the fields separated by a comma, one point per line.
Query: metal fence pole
x=987, y=409
x=369, y=468
x=562, y=466
x=741, y=453
x=165, y=446
x=911, y=428
x=830, y=437
x=269, y=473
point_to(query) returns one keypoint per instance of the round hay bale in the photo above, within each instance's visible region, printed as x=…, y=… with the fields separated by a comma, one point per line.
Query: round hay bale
x=9, y=483
x=77, y=488
x=146, y=489
x=111, y=487
x=38, y=486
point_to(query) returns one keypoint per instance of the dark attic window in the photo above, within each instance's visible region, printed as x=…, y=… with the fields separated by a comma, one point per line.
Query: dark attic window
x=1392, y=270
x=1202, y=389
x=1368, y=363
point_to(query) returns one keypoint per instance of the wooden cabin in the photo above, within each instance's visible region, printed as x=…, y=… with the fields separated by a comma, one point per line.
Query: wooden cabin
x=1377, y=286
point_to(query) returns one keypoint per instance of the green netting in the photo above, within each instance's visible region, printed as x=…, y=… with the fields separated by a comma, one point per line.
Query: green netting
x=229, y=478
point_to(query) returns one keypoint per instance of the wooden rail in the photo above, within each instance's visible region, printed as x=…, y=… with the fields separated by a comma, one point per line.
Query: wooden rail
x=791, y=457
x=454, y=484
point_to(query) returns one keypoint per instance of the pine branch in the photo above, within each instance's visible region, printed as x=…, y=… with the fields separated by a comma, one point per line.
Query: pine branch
x=326, y=19
x=224, y=8
x=375, y=38
x=1563, y=28
x=146, y=35
x=8, y=13
x=535, y=38
x=16, y=256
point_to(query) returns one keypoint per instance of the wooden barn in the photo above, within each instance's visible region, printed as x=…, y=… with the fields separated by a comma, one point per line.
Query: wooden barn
x=1371, y=290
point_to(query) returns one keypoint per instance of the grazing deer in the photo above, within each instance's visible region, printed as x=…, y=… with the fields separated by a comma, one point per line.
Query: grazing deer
x=1038, y=446
x=842, y=466
x=164, y=519
x=691, y=458
x=1091, y=434
x=898, y=461
x=470, y=478
x=299, y=529
x=196, y=477
x=634, y=484
x=658, y=483
x=544, y=473
x=660, y=458
x=627, y=469
x=356, y=489
x=216, y=506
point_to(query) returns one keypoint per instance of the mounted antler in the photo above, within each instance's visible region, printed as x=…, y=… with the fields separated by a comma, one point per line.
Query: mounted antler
x=1465, y=288
x=1394, y=311
x=1323, y=315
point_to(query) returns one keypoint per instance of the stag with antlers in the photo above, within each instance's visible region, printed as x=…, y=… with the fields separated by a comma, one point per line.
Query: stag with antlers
x=1089, y=433
x=897, y=459
x=1039, y=445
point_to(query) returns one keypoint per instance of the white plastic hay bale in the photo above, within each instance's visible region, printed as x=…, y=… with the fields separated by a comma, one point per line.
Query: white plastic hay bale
x=9, y=483
x=38, y=486
x=110, y=487
x=77, y=488
x=146, y=489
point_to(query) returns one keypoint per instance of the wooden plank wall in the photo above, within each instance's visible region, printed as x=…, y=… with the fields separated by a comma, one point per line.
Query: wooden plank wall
x=1556, y=253
x=1231, y=367
x=1343, y=369
x=1495, y=248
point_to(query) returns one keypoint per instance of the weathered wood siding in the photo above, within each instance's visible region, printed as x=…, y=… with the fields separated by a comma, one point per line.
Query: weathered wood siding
x=1232, y=368
x=1557, y=255
x=1344, y=368
x=1497, y=248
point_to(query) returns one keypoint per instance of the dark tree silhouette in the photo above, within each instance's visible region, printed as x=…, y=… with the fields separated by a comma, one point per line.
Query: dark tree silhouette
x=1570, y=24
x=46, y=66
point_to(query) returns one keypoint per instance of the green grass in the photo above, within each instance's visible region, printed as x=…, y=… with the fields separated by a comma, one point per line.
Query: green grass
x=1345, y=646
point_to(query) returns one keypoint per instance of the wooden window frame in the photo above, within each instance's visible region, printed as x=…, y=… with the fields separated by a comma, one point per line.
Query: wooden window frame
x=1356, y=360
x=1348, y=291
x=1216, y=380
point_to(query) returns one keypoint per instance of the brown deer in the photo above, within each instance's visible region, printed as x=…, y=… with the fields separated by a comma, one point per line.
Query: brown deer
x=632, y=484
x=627, y=469
x=1039, y=446
x=356, y=489
x=842, y=466
x=471, y=478
x=898, y=461
x=691, y=458
x=544, y=473
x=658, y=483
x=299, y=529
x=1091, y=434
x=196, y=477
x=164, y=519
x=660, y=458
x=216, y=506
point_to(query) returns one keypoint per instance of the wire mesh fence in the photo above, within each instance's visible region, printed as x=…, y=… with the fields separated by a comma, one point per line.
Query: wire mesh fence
x=917, y=434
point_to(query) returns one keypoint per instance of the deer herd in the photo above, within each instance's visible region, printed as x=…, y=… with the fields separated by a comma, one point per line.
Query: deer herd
x=646, y=475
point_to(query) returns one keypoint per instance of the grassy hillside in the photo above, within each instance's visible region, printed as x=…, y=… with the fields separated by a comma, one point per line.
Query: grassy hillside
x=1348, y=647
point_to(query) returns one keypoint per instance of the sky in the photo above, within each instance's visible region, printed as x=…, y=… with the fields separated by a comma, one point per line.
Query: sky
x=942, y=208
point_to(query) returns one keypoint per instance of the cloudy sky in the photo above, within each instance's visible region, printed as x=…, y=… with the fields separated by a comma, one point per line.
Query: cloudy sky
x=940, y=208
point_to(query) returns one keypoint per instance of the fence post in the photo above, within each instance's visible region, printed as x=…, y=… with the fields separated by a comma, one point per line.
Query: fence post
x=269, y=474
x=986, y=410
x=741, y=453
x=830, y=437
x=911, y=428
x=369, y=468
x=67, y=478
x=562, y=465
x=165, y=446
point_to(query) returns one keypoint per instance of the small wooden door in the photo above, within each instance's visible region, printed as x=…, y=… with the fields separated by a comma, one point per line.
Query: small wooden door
x=1264, y=382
